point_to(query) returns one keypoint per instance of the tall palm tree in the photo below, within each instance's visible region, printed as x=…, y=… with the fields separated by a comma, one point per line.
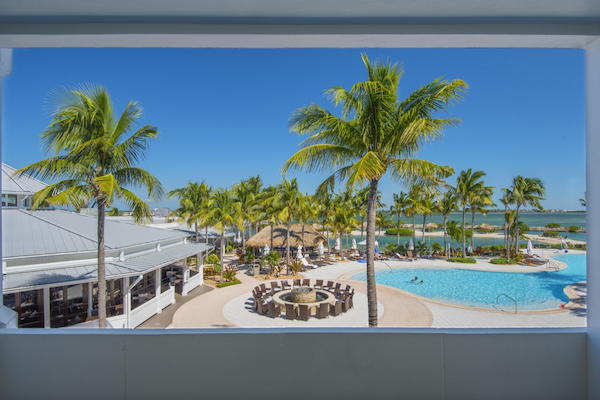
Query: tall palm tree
x=267, y=209
x=224, y=212
x=446, y=205
x=376, y=133
x=343, y=219
x=413, y=208
x=288, y=200
x=193, y=204
x=248, y=205
x=455, y=232
x=506, y=200
x=95, y=156
x=467, y=184
x=478, y=202
x=254, y=184
x=360, y=203
x=382, y=220
x=325, y=208
x=426, y=207
x=400, y=205
x=526, y=191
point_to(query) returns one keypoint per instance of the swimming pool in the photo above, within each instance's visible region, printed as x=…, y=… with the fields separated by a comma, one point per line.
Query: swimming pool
x=532, y=291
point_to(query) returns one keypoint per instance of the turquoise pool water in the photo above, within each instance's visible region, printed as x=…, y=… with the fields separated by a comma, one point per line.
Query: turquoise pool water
x=532, y=291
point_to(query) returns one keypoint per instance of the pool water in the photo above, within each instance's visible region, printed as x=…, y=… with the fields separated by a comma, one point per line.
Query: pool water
x=532, y=291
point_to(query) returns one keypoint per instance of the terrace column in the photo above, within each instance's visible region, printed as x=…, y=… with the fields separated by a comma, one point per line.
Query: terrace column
x=157, y=288
x=126, y=300
x=46, y=301
x=8, y=318
x=200, y=265
x=90, y=294
x=184, y=278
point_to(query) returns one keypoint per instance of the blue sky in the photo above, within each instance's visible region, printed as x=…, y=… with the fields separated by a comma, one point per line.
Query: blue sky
x=222, y=114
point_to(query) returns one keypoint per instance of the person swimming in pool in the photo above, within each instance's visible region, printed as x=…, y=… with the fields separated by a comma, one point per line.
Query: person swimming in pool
x=415, y=279
x=421, y=281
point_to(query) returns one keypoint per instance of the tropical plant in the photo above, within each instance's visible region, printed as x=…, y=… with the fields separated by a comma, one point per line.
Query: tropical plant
x=295, y=266
x=553, y=225
x=287, y=200
x=229, y=273
x=376, y=133
x=193, y=205
x=436, y=248
x=584, y=200
x=224, y=212
x=245, y=195
x=446, y=205
x=478, y=202
x=95, y=158
x=526, y=192
x=401, y=203
x=382, y=220
x=468, y=184
x=113, y=212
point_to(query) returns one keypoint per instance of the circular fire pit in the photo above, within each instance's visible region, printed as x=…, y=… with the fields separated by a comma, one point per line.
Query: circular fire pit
x=303, y=295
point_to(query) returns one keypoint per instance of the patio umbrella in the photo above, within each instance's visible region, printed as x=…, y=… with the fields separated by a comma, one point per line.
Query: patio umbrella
x=470, y=250
x=411, y=245
x=266, y=250
x=239, y=237
x=299, y=255
x=321, y=249
x=362, y=243
x=353, y=244
x=376, y=247
x=564, y=244
x=529, y=247
x=338, y=244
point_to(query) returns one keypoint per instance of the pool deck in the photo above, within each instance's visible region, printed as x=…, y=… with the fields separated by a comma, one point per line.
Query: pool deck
x=231, y=306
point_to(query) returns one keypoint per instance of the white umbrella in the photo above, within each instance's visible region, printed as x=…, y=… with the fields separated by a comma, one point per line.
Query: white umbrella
x=470, y=250
x=239, y=237
x=411, y=245
x=299, y=255
x=529, y=247
x=353, y=244
x=266, y=250
x=564, y=244
x=321, y=249
x=338, y=244
x=362, y=243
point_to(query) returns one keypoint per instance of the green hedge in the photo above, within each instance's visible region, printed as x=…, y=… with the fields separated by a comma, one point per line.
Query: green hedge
x=223, y=284
x=503, y=261
x=553, y=225
x=462, y=260
x=573, y=228
x=394, y=232
x=551, y=234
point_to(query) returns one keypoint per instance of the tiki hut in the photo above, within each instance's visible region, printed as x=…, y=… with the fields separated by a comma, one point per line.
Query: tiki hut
x=432, y=225
x=311, y=237
x=485, y=226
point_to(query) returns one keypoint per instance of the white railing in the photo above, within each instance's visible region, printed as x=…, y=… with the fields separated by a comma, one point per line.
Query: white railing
x=192, y=284
x=167, y=298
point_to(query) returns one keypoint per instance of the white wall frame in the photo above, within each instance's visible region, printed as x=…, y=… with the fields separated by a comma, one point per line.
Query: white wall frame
x=379, y=363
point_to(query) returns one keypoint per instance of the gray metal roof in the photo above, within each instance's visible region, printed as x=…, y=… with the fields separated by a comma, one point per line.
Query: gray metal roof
x=132, y=266
x=51, y=232
x=19, y=185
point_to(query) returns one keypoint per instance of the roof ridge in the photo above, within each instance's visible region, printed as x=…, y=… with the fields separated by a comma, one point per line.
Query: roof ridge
x=32, y=213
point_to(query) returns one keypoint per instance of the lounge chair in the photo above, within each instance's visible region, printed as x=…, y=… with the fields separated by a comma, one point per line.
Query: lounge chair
x=305, y=282
x=323, y=310
x=274, y=310
x=307, y=265
x=410, y=255
x=290, y=311
x=329, y=259
x=336, y=309
x=319, y=284
x=304, y=312
x=402, y=258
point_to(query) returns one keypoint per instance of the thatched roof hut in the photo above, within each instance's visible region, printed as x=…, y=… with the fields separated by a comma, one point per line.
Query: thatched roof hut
x=432, y=225
x=485, y=226
x=311, y=237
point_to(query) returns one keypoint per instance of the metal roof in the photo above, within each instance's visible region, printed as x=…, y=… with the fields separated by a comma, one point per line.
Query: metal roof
x=19, y=185
x=72, y=274
x=51, y=232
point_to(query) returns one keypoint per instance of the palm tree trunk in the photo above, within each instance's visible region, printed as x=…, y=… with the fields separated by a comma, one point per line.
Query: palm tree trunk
x=222, y=251
x=464, y=232
x=517, y=231
x=206, y=234
x=287, y=242
x=472, y=228
x=397, y=234
x=414, y=235
x=371, y=285
x=445, y=243
x=423, y=235
x=302, y=235
x=244, y=240
x=362, y=227
x=196, y=225
x=272, y=229
x=101, y=267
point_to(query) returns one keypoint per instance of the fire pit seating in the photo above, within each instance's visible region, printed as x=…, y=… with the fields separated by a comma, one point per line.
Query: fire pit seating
x=301, y=300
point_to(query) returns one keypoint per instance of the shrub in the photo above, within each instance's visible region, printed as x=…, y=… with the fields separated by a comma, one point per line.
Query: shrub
x=272, y=258
x=574, y=228
x=235, y=281
x=462, y=260
x=481, y=230
x=391, y=248
x=249, y=255
x=503, y=261
x=553, y=225
x=551, y=234
x=295, y=266
x=239, y=252
x=213, y=259
x=436, y=247
x=394, y=232
x=229, y=273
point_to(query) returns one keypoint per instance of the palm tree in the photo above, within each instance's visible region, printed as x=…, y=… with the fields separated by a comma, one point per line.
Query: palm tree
x=326, y=204
x=193, y=202
x=583, y=201
x=248, y=205
x=376, y=133
x=224, y=212
x=382, y=220
x=343, y=220
x=455, y=232
x=478, y=202
x=426, y=207
x=360, y=203
x=413, y=208
x=399, y=207
x=506, y=200
x=526, y=191
x=113, y=212
x=267, y=209
x=254, y=186
x=446, y=205
x=467, y=184
x=287, y=200
x=95, y=156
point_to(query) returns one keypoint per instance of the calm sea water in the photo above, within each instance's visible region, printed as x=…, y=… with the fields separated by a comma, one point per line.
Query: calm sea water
x=531, y=219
